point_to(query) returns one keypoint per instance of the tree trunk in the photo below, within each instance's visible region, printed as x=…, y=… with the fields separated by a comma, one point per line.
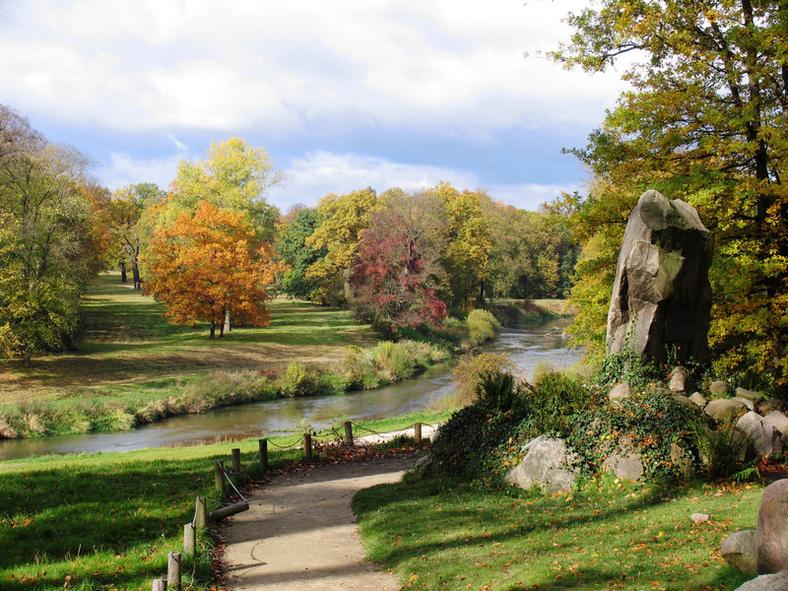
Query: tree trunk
x=135, y=271
x=123, y=276
x=213, y=329
x=226, y=327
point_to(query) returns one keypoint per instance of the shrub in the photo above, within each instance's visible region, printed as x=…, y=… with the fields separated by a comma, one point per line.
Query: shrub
x=496, y=390
x=299, y=380
x=553, y=404
x=482, y=326
x=469, y=369
x=722, y=451
x=359, y=370
x=393, y=361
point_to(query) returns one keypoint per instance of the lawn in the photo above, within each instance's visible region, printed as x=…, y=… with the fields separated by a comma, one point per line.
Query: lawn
x=107, y=521
x=129, y=350
x=444, y=534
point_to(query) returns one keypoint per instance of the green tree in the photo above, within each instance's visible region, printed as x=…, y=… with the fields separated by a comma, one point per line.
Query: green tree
x=704, y=121
x=50, y=246
x=294, y=250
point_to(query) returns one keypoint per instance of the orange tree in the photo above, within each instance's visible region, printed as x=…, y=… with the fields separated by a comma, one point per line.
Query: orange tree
x=208, y=266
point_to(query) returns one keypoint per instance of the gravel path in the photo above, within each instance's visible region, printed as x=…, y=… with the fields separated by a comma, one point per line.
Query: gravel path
x=300, y=534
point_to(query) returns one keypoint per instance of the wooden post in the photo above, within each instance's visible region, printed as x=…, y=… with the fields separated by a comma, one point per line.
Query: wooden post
x=159, y=585
x=263, y=443
x=218, y=477
x=174, y=571
x=348, y=433
x=236, y=454
x=189, y=539
x=417, y=433
x=200, y=513
x=307, y=446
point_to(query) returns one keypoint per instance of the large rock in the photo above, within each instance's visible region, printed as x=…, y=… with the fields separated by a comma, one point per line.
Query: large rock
x=619, y=392
x=748, y=403
x=699, y=399
x=718, y=389
x=766, y=406
x=738, y=550
x=777, y=582
x=661, y=294
x=763, y=437
x=725, y=409
x=546, y=464
x=625, y=463
x=771, y=541
x=749, y=394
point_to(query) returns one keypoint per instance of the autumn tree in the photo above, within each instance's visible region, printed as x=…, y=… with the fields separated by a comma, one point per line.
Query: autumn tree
x=399, y=278
x=208, y=265
x=344, y=217
x=126, y=210
x=50, y=239
x=704, y=121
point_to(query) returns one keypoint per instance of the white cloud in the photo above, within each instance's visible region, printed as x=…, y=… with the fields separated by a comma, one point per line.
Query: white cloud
x=319, y=173
x=448, y=66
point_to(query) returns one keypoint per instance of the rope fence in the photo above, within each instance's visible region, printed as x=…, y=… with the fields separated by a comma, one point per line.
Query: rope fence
x=223, y=478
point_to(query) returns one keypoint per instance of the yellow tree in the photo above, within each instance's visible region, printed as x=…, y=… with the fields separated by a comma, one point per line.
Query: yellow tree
x=344, y=217
x=209, y=265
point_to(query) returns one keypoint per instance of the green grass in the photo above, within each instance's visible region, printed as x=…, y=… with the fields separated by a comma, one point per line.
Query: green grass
x=129, y=349
x=108, y=520
x=445, y=534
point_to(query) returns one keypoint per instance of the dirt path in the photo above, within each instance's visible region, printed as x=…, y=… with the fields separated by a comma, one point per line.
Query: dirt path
x=300, y=534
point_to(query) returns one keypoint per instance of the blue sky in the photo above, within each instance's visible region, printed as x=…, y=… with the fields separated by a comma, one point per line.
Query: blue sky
x=342, y=94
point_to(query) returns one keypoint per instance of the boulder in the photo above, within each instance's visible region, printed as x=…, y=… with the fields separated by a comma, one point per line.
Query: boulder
x=749, y=394
x=748, y=403
x=699, y=399
x=771, y=540
x=679, y=380
x=684, y=401
x=779, y=421
x=546, y=464
x=625, y=464
x=619, y=392
x=718, y=389
x=763, y=437
x=738, y=550
x=725, y=409
x=777, y=582
x=766, y=406
x=661, y=293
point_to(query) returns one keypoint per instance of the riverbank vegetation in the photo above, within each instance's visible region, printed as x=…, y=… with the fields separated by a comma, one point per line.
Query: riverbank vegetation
x=136, y=504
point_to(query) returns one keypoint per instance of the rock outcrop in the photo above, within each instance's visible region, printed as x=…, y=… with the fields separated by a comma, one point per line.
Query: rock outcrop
x=661, y=294
x=762, y=436
x=771, y=540
x=777, y=582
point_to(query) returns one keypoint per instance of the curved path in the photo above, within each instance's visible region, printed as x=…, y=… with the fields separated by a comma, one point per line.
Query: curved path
x=300, y=534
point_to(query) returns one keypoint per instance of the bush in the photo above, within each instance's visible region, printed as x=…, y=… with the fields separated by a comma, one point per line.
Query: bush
x=393, y=361
x=722, y=451
x=482, y=326
x=554, y=403
x=299, y=380
x=470, y=368
x=359, y=370
x=496, y=391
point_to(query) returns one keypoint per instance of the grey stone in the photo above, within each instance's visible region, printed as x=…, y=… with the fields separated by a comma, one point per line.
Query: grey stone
x=619, y=392
x=725, y=409
x=748, y=403
x=718, y=389
x=684, y=401
x=779, y=421
x=699, y=399
x=546, y=464
x=766, y=406
x=625, y=464
x=771, y=540
x=776, y=582
x=679, y=380
x=738, y=550
x=661, y=294
x=749, y=394
x=764, y=438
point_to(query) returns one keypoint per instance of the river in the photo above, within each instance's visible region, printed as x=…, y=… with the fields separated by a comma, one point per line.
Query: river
x=528, y=347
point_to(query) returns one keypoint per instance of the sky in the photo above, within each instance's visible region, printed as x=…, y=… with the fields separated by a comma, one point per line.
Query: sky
x=343, y=94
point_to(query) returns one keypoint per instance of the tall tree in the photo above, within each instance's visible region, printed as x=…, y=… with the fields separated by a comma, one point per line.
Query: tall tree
x=705, y=121
x=294, y=250
x=126, y=209
x=210, y=264
x=49, y=245
x=344, y=217
x=399, y=278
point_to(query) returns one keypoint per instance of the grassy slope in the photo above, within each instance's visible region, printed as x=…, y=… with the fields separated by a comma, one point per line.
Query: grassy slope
x=130, y=350
x=108, y=520
x=448, y=535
